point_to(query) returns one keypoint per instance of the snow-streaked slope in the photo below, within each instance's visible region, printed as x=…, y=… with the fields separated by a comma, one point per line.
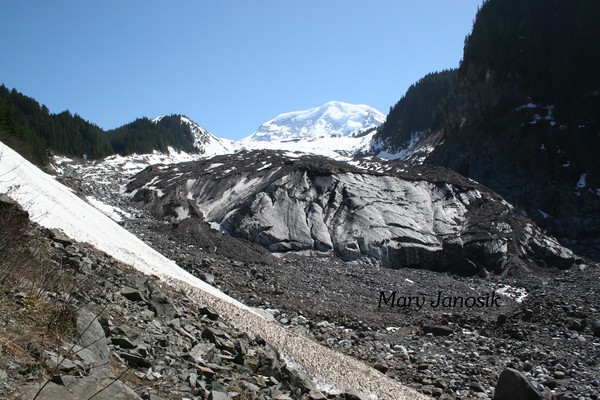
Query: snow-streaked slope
x=207, y=144
x=332, y=119
x=337, y=130
x=53, y=205
x=339, y=148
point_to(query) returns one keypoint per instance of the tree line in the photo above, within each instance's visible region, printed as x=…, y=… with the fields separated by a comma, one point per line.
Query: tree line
x=541, y=51
x=32, y=130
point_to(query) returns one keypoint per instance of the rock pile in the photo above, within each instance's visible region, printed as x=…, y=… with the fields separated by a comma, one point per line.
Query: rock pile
x=138, y=338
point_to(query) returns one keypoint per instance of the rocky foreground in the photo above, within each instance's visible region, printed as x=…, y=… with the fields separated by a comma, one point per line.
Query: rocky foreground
x=546, y=325
x=128, y=336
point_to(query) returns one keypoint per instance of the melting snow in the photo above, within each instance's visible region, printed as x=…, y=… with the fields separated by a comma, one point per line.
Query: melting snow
x=528, y=105
x=515, y=293
x=214, y=165
x=581, y=182
x=267, y=165
x=114, y=213
x=545, y=215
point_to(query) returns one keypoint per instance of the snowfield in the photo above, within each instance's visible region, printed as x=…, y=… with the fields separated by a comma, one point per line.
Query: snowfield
x=336, y=129
x=53, y=205
x=332, y=119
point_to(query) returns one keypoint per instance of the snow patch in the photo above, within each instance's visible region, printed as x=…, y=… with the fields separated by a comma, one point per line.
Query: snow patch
x=581, y=182
x=114, y=213
x=515, y=293
x=214, y=165
x=333, y=119
x=267, y=165
x=544, y=215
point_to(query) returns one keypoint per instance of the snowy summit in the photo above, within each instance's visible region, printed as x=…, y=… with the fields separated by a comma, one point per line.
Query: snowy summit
x=333, y=119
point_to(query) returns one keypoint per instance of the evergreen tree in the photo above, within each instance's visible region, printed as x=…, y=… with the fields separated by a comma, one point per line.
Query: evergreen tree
x=420, y=110
x=144, y=136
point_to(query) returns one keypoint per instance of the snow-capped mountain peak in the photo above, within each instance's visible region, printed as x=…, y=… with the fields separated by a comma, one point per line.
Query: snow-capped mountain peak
x=332, y=119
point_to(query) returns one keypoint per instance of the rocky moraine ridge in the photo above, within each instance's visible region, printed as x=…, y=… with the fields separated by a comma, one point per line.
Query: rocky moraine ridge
x=395, y=214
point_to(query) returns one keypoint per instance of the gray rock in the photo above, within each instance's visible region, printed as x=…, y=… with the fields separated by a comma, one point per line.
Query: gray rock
x=162, y=306
x=125, y=330
x=513, y=385
x=60, y=237
x=65, y=380
x=218, y=395
x=438, y=330
x=353, y=394
x=300, y=379
x=92, y=338
x=316, y=395
x=596, y=328
x=123, y=342
x=57, y=362
x=208, y=278
x=202, y=352
x=101, y=387
x=136, y=360
x=132, y=294
x=3, y=377
x=210, y=314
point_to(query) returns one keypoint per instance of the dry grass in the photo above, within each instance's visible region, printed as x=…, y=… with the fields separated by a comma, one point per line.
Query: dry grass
x=37, y=307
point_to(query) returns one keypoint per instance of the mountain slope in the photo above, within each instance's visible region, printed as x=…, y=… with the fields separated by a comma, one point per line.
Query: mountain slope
x=207, y=144
x=144, y=136
x=333, y=119
x=31, y=128
x=523, y=115
x=409, y=129
x=64, y=133
x=337, y=130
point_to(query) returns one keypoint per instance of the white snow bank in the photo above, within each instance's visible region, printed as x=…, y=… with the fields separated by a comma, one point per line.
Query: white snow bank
x=114, y=213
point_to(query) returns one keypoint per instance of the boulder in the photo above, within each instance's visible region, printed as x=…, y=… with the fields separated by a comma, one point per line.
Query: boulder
x=92, y=338
x=513, y=385
x=60, y=237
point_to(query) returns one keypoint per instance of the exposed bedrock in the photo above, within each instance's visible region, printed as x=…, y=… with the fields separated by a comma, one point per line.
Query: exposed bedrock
x=393, y=213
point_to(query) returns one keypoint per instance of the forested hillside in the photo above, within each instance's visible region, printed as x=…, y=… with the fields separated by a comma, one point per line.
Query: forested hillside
x=420, y=111
x=32, y=129
x=144, y=136
x=522, y=115
x=544, y=49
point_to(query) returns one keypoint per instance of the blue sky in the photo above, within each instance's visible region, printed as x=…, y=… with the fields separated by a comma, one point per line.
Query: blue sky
x=229, y=65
